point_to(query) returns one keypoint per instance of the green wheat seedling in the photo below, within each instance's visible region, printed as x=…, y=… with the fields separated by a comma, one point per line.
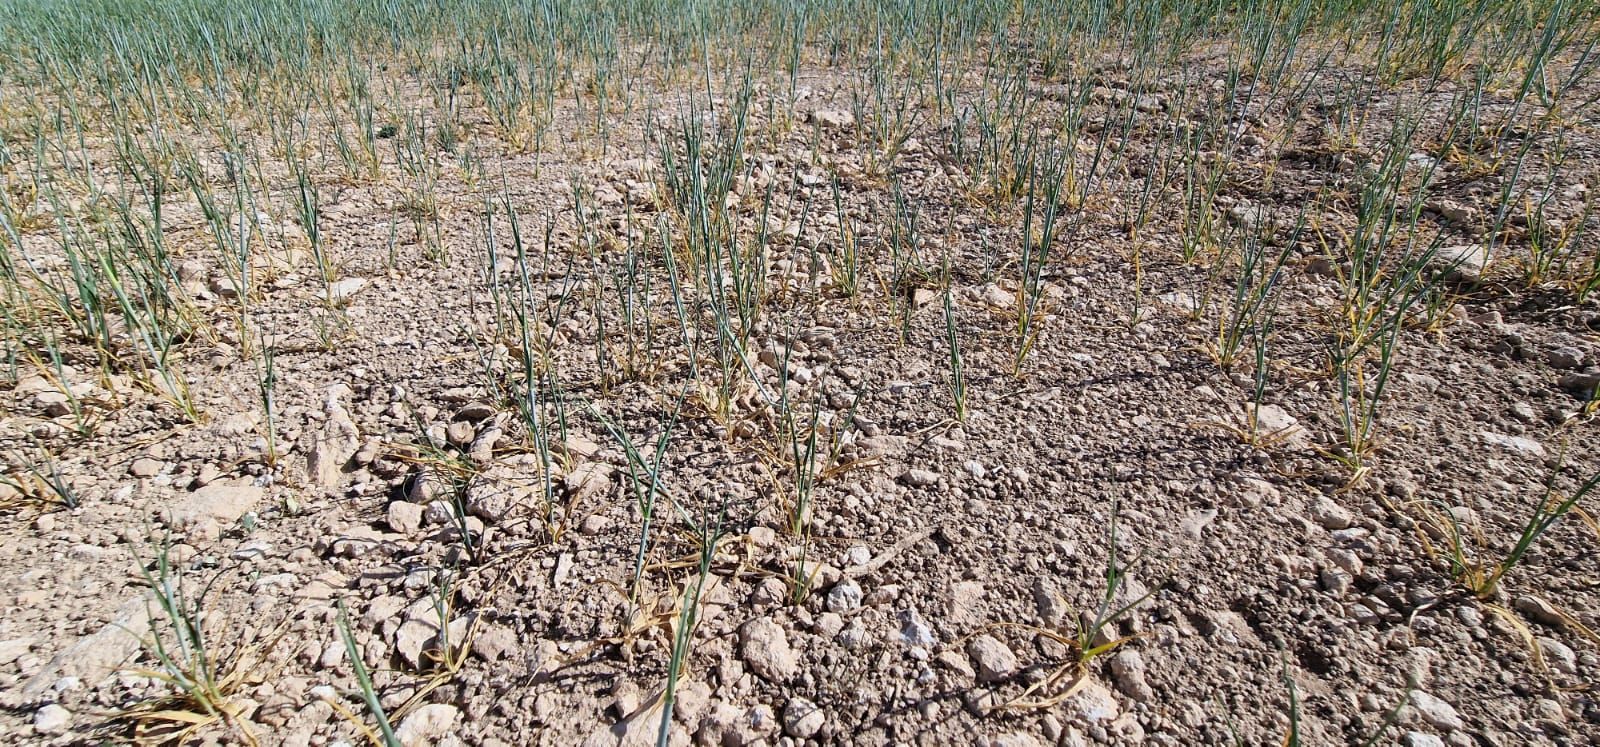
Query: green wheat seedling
x=204, y=678
x=1088, y=642
x=42, y=483
x=1465, y=549
x=1253, y=295
x=1039, y=215
x=644, y=477
x=957, y=377
x=369, y=694
x=455, y=472
x=846, y=263
x=708, y=535
x=307, y=200
x=267, y=389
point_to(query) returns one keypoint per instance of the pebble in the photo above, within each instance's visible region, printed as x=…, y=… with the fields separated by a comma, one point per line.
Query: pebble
x=341, y=291
x=837, y=119
x=1128, y=669
x=802, y=719
x=845, y=596
x=992, y=660
x=1540, y=611
x=1330, y=515
x=427, y=725
x=593, y=524
x=1048, y=602
x=1565, y=357
x=1435, y=711
x=145, y=467
x=1093, y=703
x=764, y=646
x=1421, y=739
x=919, y=478
x=1558, y=655
x=915, y=631
x=52, y=719
x=405, y=517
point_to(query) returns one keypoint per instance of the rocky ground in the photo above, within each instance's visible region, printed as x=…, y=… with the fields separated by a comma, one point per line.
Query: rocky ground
x=950, y=563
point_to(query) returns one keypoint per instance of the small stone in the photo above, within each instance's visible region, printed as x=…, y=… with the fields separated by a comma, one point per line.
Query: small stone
x=1195, y=524
x=1524, y=412
x=919, y=478
x=1581, y=384
x=1463, y=263
x=802, y=719
x=1421, y=739
x=837, y=119
x=1330, y=515
x=459, y=433
x=1048, y=602
x=494, y=642
x=764, y=646
x=593, y=524
x=13, y=649
x=1518, y=444
x=427, y=725
x=992, y=660
x=52, y=719
x=1452, y=211
x=405, y=517
x=1093, y=703
x=1558, y=655
x=341, y=291
x=1435, y=711
x=221, y=501
x=1128, y=669
x=1540, y=611
x=845, y=596
x=914, y=631
x=1336, y=581
x=475, y=411
x=145, y=467
x=1565, y=357
x=411, y=638
x=1549, y=709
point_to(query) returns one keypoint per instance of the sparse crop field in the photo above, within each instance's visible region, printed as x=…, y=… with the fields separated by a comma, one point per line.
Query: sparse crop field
x=739, y=372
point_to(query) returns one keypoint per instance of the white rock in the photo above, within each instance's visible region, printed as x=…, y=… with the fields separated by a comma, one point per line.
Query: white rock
x=1519, y=444
x=919, y=478
x=13, y=649
x=52, y=719
x=844, y=596
x=1329, y=515
x=1435, y=711
x=992, y=660
x=915, y=631
x=1093, y=703
x=802, y=719
x=224, y=502
x=427, y=725
x=340, y=291
x=764, y=646
x=405, y=517
x=145, y=467
x=837, y=119
x=1559, y=655
x=334, y=444
x=1128, y=669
